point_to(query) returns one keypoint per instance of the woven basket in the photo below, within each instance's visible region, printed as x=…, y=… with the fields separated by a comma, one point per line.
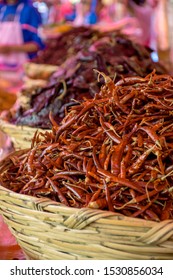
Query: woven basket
x=49, y=230
x=21, y=136
x=39, y=71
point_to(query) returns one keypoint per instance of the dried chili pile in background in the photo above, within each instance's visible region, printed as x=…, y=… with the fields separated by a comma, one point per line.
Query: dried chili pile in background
x=77, y=53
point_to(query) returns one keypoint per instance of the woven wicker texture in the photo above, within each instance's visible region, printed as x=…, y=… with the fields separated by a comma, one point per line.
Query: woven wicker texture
x=21, y=136
x=49, y=230
x=39, y=71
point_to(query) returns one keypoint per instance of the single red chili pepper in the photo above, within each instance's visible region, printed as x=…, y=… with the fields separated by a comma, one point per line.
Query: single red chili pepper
x=53, y=122
x=128, y=96
x=94, y=196
x=64, y=126
x=34, y=139
x=100, y=203
x=118, y=152
x=152, y=215
x=151, y=133
x=122, y=181
x=143, y=208
x=76, y=191
x=131, y=81
x=108, y=81
x=160, y=162
x=70, y=173
x=95, y=159
x=107, y=160
x=64, y=177
x=122, y=169
x=87, y=132
x=30, y=165
x=108, y=197
x=141, y=175
x=146, y=196
x=58, y=191
x=102, y=154
x=95, y=176
x=72, y=155
x=26, y=186
x=49, y=148
x=110, y=133
x=79, y=129
x=88, y=168
x=138, y=163
x=128, y=156
x=166, y=211
x=140, y=140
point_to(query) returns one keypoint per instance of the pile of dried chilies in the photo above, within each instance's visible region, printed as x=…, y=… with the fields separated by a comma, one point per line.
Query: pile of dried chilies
x=77, y=52
x=113, y=152
x=81, y=38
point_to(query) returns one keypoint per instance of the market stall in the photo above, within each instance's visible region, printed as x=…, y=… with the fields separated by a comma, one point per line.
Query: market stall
x=86, y=147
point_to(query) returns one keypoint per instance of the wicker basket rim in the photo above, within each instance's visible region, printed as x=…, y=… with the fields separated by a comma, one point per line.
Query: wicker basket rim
x=5, y=124
x=53, y=207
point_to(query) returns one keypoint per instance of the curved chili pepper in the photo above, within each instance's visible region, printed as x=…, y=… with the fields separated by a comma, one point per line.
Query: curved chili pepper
x=151, y=133
x=100, y=203
x=102, y=154
x=130, y=81
x=121, y=181
x=111, y=134
x=31, y=155
x=139, y=162
x=58, y=192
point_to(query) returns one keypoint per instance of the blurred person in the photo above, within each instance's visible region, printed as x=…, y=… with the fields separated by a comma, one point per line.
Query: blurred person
x=86, y=13
x=43, y=9
x=145, y=12
x=114, y=15
x=111, y=10
x=136, y=18
x=59, y=10
x=162, y=26
x=19, y=40
x=91, y=16
x=96, y=11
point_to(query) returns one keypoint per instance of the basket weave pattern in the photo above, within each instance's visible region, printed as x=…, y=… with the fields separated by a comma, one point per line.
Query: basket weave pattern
x=21, y=136
x=48, y=230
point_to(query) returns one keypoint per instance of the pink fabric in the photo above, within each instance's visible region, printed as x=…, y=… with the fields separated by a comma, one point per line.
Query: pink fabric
x=59, y=11
x=29, y=27
x=106, y=14
x=6, y=238
x=10, y=32
x=9, y=249
x=146, y=17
